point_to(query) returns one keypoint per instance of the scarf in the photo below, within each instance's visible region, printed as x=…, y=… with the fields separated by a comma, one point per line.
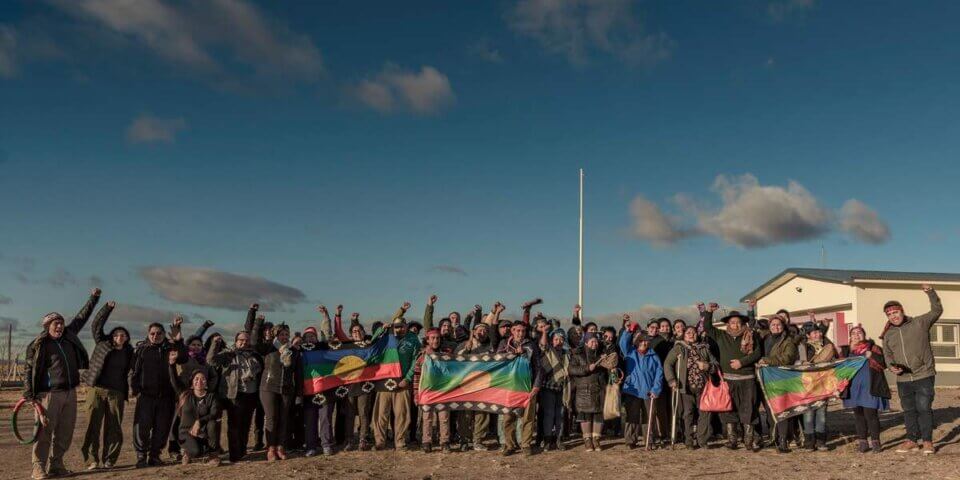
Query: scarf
x=200, y=356
x=874, y=362
x=695, y=377
x=554, y=368
x=746, y=340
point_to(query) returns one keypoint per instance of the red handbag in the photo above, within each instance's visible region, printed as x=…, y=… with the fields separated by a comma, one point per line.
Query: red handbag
x=716, y=398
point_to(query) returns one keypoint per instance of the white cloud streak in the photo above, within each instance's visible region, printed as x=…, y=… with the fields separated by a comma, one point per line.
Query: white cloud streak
x=426, y=92
x=147, y=128
x=212, y=288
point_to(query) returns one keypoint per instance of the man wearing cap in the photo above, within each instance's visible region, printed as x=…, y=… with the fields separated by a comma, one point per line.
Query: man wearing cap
x=53, y=363
x=397, y=401
x=907, y=351
x=739, y=349
x=642, y=382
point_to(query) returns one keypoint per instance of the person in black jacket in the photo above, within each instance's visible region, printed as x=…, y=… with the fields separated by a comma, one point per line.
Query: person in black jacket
x=150, y=383
x=53, y=363
x=279, y=384
x=198, y=410
x=107, y=395
x=239, y=373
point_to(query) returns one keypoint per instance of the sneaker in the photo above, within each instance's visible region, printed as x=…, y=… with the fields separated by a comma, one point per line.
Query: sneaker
x=38, y=473
x=588, y=444
x=446, y=448
x=108, y=464
x=863, y=446
x=93, y=466
x=907, y=446
x=928, y=448
x=507, y=451
x=185, y=459
x=327, y=451
x=141, y=463
x=479, y=447
x=349, y=447
x=310, y=453
x=875, y=446
x=596, y=445
x=527, y=451
x=154, y=462
x=213, y=460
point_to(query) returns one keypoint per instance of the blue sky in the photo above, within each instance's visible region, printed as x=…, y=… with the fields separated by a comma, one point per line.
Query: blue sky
x=189, y=156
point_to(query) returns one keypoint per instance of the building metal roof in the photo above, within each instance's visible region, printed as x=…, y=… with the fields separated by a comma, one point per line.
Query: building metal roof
x=848, y=277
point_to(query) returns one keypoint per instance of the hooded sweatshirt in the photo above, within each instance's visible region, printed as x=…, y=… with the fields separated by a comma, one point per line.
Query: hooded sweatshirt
x=909, y=343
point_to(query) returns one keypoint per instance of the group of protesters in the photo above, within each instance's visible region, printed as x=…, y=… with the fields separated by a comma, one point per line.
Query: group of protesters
x=641, y=383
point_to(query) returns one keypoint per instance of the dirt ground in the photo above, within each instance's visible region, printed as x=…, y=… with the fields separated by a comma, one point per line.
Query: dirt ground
x=614, y=462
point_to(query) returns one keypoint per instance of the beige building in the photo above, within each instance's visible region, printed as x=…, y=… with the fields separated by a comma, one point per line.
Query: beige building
x=852, y=297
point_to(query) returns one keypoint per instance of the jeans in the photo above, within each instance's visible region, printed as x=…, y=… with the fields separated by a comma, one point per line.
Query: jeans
x=916, y=399
x=815, y=421
x=867, y=421
x=551, y=413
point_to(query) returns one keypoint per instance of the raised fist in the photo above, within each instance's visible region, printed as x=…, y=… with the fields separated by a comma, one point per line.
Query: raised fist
x=95, y=292
x=261, y=318
x=112, y=304
x=322, y=309
x=477, y=308
x=254, y=306
x=339, y=309
x=926, y=288
x=531, y=303
x=713, y=307
x=405, y=306
x=177, y=321
x=172, y=357
x=433, y=299
x=354, y=317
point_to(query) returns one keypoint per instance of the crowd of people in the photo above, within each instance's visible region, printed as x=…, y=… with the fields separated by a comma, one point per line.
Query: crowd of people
x=641, y=383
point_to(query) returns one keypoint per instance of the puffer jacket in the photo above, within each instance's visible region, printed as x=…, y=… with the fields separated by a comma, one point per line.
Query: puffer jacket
x=909, y=343
x=281, y=367
x=589, y=387
x=36, y=363
x=643, y=373
x=228, y=366
x=783, y=352
x=103, y=347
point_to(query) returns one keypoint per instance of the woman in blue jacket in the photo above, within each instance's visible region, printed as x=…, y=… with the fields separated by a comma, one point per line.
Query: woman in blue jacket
x=642, y=381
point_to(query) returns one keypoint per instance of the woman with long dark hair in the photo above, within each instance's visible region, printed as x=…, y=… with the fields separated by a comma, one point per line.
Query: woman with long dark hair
x=868, y=393
x=279, y=384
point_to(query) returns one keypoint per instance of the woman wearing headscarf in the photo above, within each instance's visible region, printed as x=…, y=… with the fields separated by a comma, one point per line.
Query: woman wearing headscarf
x=642, y=381
x=868, y=393
x=780, y=350
x=279, y=384
x=589, y=377
x=687, y=370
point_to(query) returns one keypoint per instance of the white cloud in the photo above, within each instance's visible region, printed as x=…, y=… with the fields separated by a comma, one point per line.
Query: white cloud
x=220, y=38
x=578, y=29
x=863, y=223
x=425, y=92
x=781, y=10
x=147, y=128
x=8, y=53
x=212, y=288
x=751, y=215
x=650, y=223
x=452, y=269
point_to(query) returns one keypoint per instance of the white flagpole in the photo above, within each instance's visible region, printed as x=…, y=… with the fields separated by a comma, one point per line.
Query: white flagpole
x=580, y=285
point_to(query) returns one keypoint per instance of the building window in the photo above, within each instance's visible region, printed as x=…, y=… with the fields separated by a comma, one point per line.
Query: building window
x=944, y=341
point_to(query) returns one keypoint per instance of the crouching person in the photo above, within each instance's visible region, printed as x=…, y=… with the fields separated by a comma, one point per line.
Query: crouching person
x=198, y=411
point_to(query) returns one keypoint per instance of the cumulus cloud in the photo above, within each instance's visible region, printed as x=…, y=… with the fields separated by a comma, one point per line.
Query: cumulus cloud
x=150, y=129
x=452, y=269
x=751, y=215
x=863, y=223
x=783, y=9
x=424, y=93
x=218, y=38
x=8, y=51
x=578, y=29
x=212, y=288
x=651, y=224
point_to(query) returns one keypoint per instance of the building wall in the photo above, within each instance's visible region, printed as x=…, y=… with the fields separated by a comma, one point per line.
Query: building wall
x=866, y=301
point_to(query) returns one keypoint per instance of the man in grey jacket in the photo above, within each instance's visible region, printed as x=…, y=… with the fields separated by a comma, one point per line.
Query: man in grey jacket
x=907, y=351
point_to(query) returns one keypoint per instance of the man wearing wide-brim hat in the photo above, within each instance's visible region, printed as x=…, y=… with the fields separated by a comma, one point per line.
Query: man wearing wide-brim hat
x=739, y=349
x=397, y=402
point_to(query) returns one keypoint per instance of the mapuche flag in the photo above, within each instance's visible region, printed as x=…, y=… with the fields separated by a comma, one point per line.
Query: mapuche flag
x=350, y=363
x=792, y=390
x=498, y=383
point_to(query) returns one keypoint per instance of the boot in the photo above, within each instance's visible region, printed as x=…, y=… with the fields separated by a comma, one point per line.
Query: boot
x=213, y=460
x=426, y=448
x=271, y=454
x=281, y=452
x=731, y=436
x=875, y=445
x=783, y=445
x=809, y=443
x=863, y=446
x=820, y=441
x=596, y=444
x=185, y=458
x=560, y=446
x=748, y=439
x=588, y=444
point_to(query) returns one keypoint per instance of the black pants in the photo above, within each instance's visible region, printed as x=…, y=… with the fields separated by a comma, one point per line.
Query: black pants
x=550, y=418
x=152, y=418
x=276, y=416
x=198, y=446
x=174, y=444
x=345, y=422
x=663, y=414
x=239, y=414
x=258, y=435
x=689, y=404
x=744, y=396
x=296, y=432
x=636, y=415
x=867, y=421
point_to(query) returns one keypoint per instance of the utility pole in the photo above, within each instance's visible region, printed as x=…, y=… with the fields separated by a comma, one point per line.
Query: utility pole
x=580, y=283
x=10, y=350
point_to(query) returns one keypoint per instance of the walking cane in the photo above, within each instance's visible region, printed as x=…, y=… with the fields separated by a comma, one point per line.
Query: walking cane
x=649, y=438
x=674, y=403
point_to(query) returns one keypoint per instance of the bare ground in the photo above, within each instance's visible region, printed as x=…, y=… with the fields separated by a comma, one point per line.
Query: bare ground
x=614, y=462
